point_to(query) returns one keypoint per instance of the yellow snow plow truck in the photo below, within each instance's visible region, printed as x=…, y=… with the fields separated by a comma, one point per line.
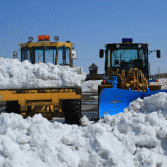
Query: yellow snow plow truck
x=126, y=76
x=50, y=102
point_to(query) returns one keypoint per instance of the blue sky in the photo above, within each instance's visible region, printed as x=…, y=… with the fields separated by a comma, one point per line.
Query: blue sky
x=89, y=24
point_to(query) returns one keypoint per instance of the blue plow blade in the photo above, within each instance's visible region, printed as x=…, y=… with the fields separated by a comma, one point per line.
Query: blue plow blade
x=113, y=101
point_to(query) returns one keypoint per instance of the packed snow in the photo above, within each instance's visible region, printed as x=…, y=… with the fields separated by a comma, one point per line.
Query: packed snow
x=161, y=81
x=90, y=86
x=16, y=74
x=135, y=138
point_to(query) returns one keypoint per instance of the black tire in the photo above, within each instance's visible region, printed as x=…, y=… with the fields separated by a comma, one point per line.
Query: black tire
x=72, y=109
x=13, y=106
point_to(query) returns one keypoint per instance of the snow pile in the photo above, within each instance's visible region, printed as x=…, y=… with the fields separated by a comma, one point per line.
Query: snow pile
x=156, y=102
x=143, y=137
x=91, y=86
x=161, y=81
x=135, y=138
x=16, y=74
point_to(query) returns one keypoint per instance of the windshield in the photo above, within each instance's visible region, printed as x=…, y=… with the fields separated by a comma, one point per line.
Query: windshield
x=124, y=59
x=39, y=54
x=45, y=56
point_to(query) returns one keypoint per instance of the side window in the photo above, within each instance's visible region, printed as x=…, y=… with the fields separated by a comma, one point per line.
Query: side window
x=68, y=56
x=63, y=56
x=142, y=56
x=108, y=64
x=25, y=54
x=60, y=56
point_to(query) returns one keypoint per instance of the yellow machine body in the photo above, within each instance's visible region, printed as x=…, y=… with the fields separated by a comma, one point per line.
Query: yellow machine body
x=50, y=102
x=47, y=101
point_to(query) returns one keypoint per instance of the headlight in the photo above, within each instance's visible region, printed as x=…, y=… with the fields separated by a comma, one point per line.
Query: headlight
x=117, y=46
x=139, y=45
x=30, y=39
x=56, y=38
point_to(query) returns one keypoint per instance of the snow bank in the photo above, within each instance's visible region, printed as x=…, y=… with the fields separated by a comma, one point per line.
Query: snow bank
x=142, y=130
x=135, y=138
x=16, y=74
x=161, y=81
x=156, y=102
x=38, y=142
x=91, y=86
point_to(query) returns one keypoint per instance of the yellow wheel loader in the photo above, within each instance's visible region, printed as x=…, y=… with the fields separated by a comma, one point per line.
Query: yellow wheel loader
x=50, y=102
x=126, y=76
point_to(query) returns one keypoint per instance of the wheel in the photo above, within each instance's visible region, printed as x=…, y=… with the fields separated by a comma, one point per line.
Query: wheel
x=72, y=109
x=13, y=106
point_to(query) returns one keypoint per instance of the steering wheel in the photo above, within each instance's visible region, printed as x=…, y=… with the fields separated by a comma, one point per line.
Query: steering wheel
x=131, y=61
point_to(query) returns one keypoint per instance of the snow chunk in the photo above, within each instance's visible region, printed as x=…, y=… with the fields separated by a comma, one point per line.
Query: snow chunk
x=156, y=102
x=91, y=86
x=85, y=121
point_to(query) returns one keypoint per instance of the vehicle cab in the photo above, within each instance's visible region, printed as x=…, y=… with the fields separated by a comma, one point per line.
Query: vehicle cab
x=126, y=55
x=45, y=51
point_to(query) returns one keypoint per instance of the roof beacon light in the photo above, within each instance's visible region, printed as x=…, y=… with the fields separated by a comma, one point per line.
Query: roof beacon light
x=44, y=37
x=127, y=40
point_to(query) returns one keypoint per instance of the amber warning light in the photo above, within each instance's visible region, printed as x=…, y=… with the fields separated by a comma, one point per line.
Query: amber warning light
x=44, y=37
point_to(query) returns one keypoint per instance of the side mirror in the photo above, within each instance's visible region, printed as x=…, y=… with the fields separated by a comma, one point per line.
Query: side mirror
x=101, y=53
x=14, y=54
x=158, y=53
